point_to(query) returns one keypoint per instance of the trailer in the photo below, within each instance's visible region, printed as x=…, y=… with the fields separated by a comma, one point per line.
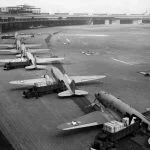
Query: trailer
x=40, y=89
x=107, y=140
x=14, y=65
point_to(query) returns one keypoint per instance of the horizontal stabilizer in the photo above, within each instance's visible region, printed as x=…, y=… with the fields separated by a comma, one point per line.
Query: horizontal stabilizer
x=35, y=67
x=30, y=67
x=19, y=55
x=69, y=93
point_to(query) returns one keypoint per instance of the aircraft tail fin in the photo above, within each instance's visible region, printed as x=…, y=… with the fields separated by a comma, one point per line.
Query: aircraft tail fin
x=40, y=67
x=72, y=86
x=72, y=91
x=16, y=34
x=76, y=93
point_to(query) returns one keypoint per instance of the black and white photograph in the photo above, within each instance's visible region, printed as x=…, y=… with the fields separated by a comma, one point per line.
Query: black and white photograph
x=74, y=75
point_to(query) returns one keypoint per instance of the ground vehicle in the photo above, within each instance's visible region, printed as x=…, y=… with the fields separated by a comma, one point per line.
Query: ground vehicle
x=106, y=140
x=13, y=65
x=40, y=89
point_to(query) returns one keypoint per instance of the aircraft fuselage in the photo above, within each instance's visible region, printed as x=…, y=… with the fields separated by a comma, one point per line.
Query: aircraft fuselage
x=110, y=101
x=59, y=76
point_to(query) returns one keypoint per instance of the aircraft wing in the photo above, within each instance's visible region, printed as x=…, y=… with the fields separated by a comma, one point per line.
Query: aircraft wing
x=6, y=60
x=12, y=60
x=32, y=45
x=7, y=45
x=92, y=119
x=29, y=82
x=38, y=50
x=82, y=79
x=48, y=60
x=10, y=50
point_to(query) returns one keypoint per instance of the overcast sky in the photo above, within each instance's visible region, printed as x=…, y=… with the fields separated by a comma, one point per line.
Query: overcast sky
x=89, y=6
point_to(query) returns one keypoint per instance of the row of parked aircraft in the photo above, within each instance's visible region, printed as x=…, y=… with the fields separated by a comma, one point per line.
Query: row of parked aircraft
x=26, y=55
x=111, y=107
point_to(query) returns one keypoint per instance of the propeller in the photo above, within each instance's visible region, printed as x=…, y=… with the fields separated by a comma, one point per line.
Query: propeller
x=95, y=102
x=46, y=73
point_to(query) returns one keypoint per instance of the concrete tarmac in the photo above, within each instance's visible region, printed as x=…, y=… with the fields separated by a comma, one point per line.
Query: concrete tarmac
x=118, y=51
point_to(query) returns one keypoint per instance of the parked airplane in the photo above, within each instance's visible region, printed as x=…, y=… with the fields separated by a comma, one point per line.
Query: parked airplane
x=88, y=53
x=22, y=50
x=17, y=36
x=7, y=36
x=146, y=74
x=32, y=62
x=111, y=108
x=59, y=75
x=17, y=45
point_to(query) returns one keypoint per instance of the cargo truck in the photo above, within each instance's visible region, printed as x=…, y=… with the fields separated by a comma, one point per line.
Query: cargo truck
x=40, y=89
x=110, y=134
x=14, y=65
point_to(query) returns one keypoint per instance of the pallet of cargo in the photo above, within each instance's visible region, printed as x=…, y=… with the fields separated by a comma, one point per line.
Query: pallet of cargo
x=109, y=137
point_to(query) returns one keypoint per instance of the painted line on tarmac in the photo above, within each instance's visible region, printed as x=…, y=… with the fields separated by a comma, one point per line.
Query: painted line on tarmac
x=91, y=35
x=122, y=61
x=98, y=35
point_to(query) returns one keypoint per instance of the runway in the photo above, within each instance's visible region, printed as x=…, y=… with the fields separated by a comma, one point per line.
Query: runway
x=32, y=124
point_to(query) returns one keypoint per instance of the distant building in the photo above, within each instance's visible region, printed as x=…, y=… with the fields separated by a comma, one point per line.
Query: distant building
x=20, y=9
x=81, y=14
x=104, y=14
x=118, y=14
x=146, y=12
x=4, y=9
x=61, y=14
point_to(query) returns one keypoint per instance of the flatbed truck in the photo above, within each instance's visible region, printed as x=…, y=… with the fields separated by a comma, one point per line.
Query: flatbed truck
x=14, y=65
x=105, y=140
x=41, y=89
